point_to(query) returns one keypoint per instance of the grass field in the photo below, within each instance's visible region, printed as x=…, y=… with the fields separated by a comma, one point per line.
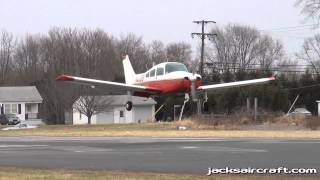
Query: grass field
x=155, y=130
x=38, y=174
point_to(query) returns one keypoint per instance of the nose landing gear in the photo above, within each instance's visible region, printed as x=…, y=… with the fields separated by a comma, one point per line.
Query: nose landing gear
x=186, y=99
x=205, y=104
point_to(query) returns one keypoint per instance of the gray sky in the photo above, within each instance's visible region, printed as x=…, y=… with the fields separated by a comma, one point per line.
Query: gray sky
x=165, y=20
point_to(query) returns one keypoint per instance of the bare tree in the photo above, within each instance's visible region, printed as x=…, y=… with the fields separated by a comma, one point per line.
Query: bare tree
x=27, y=59
x=90, y=105
x=238, y=48
x=137, y=50
x=310, y=8
x=157, y=52
x=270, y=52
x=311, y=52
x=6, y=54
x=179, y=52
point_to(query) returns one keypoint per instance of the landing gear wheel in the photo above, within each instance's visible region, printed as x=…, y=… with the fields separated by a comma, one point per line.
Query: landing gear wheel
x=129, y=106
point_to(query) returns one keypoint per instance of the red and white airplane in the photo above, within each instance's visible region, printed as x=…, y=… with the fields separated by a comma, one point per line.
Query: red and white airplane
x=163, y=79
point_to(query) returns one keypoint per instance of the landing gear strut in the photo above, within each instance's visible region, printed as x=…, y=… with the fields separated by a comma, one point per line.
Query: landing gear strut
x=186, y=99
x=205, y=104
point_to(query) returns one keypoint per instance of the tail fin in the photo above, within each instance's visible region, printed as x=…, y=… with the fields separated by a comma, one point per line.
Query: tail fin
x=129, y=74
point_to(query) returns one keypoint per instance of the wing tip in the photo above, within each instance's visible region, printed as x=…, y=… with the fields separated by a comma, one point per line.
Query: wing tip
x=64, y=78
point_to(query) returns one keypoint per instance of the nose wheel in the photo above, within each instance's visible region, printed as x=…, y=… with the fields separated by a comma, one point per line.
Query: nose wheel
x=129, y=106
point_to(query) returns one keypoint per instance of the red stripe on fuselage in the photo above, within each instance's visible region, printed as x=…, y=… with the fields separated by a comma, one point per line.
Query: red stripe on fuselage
x=171, y=86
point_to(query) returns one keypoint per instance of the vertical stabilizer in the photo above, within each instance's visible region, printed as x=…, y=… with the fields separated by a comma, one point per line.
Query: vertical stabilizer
x=129, y=74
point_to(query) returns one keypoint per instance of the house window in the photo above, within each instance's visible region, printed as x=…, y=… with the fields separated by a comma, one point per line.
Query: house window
x=11, y=108
x=28, y=108
x=14, y=108
x=121, y=114
x=7, y=108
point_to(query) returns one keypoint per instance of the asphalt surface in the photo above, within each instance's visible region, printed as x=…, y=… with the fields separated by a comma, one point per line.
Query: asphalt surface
x=169, y=155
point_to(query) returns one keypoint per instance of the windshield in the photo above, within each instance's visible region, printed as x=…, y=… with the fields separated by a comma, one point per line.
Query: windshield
x=172, y=67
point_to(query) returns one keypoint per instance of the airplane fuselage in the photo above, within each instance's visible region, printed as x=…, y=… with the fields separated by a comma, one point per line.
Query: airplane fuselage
x=169, y=77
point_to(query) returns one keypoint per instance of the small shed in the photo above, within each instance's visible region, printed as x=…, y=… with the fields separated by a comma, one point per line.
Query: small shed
x=142, y=111
x=23, y=101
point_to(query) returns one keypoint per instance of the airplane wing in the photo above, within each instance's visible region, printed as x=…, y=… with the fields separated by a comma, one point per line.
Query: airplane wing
x=109, y=86
x=235, y=84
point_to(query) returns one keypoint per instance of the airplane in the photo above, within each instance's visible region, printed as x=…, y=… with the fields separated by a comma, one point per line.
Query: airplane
x=168, y=78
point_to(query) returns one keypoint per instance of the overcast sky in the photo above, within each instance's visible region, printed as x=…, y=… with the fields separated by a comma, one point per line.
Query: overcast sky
x=165, y=20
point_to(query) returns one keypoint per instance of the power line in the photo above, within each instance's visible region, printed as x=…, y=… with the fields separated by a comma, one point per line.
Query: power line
x=303, y=87
x=256, y=64
x=290, y=28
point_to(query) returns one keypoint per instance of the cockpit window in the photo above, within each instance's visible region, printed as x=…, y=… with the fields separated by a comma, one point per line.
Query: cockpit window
x=152, y=73
x=173, y=67
x=159, y=71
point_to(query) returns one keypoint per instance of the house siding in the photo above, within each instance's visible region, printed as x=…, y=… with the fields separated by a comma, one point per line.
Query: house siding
x=142, y=113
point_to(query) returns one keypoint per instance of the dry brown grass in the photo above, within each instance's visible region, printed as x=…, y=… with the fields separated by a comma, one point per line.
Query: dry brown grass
x=38, y=174
x=313, y=123
x=196, y=127
x=157, y=130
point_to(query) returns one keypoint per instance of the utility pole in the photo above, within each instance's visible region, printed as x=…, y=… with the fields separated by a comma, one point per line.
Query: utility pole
x=203, y=36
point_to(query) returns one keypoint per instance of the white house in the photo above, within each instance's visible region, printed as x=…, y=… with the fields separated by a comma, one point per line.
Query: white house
x=142, y=111
x=24, y=101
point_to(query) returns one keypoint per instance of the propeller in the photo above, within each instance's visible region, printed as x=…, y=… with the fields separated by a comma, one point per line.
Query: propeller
x=193, y=91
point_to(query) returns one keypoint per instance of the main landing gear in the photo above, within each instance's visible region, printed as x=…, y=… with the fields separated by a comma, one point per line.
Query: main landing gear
x=129, y=102
x=186, y=99
x=129, y=105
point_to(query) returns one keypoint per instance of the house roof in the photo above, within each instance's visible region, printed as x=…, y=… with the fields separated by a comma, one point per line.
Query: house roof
x=19, y=94
x=122, y=99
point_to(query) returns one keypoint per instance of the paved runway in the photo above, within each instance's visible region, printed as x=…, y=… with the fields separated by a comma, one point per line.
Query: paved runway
x=170, y=155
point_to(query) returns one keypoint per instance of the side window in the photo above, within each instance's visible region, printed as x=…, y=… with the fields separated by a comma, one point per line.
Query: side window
x=153, y=73
x=147, y=74
x=159, y=71
x=14, y=108
x=7, y=108
x=11, y=108
x=121, y=114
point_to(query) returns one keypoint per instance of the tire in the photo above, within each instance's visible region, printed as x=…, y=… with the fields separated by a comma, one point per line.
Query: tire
x=129, y=106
